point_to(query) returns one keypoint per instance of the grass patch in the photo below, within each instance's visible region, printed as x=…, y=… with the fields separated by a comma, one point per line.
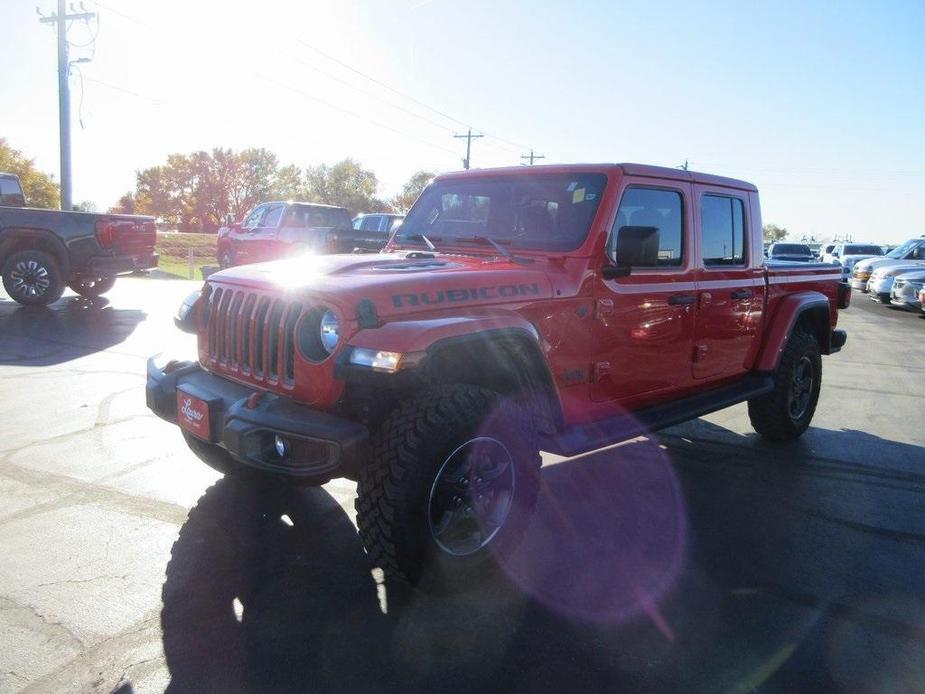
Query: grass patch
x=174, y=253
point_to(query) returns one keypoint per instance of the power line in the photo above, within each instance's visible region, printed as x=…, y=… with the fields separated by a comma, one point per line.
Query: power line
x=469, y=137
x=401, y=93
x=313, y=97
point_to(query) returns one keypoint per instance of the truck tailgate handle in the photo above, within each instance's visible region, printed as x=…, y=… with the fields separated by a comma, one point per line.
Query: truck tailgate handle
x=742, y=294
x=681, y=299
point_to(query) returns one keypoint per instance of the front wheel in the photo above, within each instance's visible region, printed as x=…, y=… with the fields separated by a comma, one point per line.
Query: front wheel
x=32, y=278
x=785, y=413
x=92, y=288
x=450, y=488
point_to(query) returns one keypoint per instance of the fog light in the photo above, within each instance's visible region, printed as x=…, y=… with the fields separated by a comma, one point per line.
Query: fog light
x=281, y=445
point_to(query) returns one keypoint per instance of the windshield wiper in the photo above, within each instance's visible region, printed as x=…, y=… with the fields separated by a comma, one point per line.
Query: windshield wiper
x=496, y=244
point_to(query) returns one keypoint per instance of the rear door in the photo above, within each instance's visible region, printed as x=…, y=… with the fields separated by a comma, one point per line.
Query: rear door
x=730, y=283
x=643, y=323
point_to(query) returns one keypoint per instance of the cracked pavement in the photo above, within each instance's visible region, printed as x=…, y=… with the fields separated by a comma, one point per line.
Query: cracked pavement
x=800, y=565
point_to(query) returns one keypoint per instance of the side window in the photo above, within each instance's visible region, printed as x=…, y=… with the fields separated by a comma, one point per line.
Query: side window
x=722, y=221
x=253, y=219
x=273, y=215
x=371, y=223
x=357, y=222
x=653, y=216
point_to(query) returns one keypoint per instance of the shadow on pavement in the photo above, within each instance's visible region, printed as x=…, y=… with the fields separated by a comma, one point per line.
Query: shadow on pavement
x=70, y=328
x=686, y=566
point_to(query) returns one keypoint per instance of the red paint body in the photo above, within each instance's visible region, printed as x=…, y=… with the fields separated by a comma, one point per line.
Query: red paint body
x=608, y=343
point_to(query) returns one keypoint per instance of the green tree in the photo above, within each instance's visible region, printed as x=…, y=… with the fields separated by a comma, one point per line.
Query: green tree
x=86, y=206
x=773, y=233
x=345, y=184
x=39, y=188
x=412, y=190
x=126, y=204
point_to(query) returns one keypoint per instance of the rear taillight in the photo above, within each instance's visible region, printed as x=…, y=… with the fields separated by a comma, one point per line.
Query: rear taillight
x=331, y=242
x=105, y=233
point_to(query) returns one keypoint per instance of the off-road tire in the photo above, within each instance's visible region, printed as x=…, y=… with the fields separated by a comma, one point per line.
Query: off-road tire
x=770, y=414
x=226, y=259
x=34, y=261
x=92, y=289
x=408, y=452
x=214, y=456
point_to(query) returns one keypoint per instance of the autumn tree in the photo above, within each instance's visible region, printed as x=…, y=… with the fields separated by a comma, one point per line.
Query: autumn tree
x=345, y=184
x=774, y=233
x=412, y=190
x=39, y=188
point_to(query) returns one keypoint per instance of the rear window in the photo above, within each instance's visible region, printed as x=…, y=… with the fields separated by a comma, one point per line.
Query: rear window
x=315, y=217
x=790, y=249
x=863, y=250
x=10, y=193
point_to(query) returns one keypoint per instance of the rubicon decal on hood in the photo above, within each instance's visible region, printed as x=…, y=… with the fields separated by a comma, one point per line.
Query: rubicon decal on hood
x=501, y=291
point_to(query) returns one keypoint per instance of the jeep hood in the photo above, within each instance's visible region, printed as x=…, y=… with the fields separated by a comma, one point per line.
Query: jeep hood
x=396, y=283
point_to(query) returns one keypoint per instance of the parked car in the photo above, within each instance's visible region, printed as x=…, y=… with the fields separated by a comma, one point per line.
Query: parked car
x=913, y=249
x=847, y=254
x=603, y=311
x=275, y=230
x=383, y=222
x=881, y=280
x=42, y=251
x=906, y=290
x=826, y=251
x=793, y=252
x=922, y=300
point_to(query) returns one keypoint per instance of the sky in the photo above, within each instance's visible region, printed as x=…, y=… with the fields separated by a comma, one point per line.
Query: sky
x=820, y=104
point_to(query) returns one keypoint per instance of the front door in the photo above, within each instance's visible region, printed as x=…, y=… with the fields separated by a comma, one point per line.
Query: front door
x=730, y=284
x=242, y=237
x=264, y=242
x=643, y=329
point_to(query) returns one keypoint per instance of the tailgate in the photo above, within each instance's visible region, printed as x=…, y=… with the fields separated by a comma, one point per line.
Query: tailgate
x=127, y=236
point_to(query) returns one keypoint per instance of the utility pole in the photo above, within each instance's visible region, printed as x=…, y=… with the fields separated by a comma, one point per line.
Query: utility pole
x=469, y=136
x=61, y=19
x=532, y=156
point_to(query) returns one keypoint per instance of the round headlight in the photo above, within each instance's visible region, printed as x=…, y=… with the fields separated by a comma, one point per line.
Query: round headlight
x=330, y=331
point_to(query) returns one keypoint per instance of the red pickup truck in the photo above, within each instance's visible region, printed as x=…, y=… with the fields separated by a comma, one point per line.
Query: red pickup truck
x=557, y=308
x=274, y=230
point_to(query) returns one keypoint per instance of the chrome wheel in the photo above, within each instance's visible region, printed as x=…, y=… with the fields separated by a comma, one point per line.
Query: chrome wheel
x=471, y=496
x=801, y=388
x=29, y=279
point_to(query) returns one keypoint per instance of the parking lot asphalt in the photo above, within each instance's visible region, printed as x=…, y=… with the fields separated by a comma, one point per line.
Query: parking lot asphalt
x=701, y=559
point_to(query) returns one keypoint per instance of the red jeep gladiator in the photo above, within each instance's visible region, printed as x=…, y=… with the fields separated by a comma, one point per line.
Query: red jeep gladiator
x=555, y=308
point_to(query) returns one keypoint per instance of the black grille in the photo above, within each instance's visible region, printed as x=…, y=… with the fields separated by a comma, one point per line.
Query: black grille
x=253, y=335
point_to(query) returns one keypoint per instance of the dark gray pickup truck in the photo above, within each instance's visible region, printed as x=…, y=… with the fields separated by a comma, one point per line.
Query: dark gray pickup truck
x=42, y=251
x=274, y=230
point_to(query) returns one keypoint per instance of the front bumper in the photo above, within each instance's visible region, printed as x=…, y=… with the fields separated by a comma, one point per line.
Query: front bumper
x=107, y=266
x=859, y=283
x=880, y=290
x=321, y=446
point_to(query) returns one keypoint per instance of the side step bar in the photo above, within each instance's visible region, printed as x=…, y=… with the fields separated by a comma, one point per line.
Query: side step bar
x=606, y=432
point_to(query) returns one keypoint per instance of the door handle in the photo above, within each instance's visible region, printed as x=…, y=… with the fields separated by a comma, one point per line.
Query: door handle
x=682, y=299
x=742, y=294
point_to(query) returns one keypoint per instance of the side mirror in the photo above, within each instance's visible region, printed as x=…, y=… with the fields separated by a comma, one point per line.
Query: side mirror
x=836, y=254
x=637, y=246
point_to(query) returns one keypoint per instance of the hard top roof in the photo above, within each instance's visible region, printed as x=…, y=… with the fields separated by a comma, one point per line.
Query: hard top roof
x=628, y=169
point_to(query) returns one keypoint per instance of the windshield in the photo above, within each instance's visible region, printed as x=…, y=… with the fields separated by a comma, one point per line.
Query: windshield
x=314, y=216
x=790, y=249
x=863, y=250
x=903, y=249
x=538, y=212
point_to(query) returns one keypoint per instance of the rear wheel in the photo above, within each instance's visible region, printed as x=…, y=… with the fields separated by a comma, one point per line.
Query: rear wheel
x=32, y=278
x=785, y=413
x=451, y=486
x=92, y=288
x=226, y=259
